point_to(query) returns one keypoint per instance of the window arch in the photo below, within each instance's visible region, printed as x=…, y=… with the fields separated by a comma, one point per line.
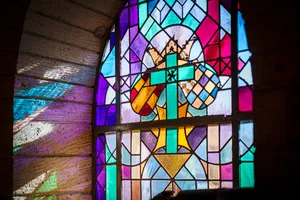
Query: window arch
x=174, y=100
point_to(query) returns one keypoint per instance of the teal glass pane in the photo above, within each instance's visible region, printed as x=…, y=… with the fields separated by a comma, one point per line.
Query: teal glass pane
x=185, y=73
x=111, y=182
x=172, y=60
x=172, y=101
x=171, y=19
x=247, y=174
x=142, y=14
x=170, y=2
x=191, y=22
x=171, y=144
x=155, y=28
x=248, y=156
x=147, y=25
x=157, y=77
x=107, y=68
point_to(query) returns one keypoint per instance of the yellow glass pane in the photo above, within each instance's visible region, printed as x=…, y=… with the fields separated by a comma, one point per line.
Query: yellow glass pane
x=209, y=73
x=182, y=62
x=197, y=89
x=197, y=103
x=139, y=84
x=161, y=141
x=142, y=97
x=155, y=56
x=172, y=163
x=182, y=110
x=161, y=113
x=209, y=100
x=188, y=129
x=214, y=184
x=161, y=66
x=210, y=86
x=182, y=140
x=135, y=142
x=213, y=171
x=155, y=131
x=152, y=100
x=213, y=138
x=198, y=74
x=135, y=172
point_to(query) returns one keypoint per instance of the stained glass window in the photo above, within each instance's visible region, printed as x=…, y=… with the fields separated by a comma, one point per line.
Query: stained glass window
x=174, y=100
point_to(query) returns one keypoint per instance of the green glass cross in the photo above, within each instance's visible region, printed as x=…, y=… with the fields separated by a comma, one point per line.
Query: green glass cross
x=170, y=76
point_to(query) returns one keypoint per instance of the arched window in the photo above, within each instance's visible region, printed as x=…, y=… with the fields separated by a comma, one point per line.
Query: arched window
x=174, y=100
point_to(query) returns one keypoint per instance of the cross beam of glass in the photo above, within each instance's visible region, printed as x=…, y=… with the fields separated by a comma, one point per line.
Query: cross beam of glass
x=170, y=76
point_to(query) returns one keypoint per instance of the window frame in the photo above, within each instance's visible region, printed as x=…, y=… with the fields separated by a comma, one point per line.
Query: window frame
x=235, y=118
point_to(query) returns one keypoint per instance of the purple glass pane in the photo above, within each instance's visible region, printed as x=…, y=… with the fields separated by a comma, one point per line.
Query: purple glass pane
x=102, y=88
x=136, y=67
x=133, y=15
x=111, y=116
x=101, y=113
x=203, y=80
x=161, y=150
x=133, y=57
x=100, y=192
x=183, y=150
x=124, y=88
x=196, y=136
x=102, y=178
x=139, y=46
x=132, y=1
x=132, y=78
x=112, y=40
x=149, y=139
x=123, y=22
x=213, y=158
x=100, y=153
x=99, y=169
x=133, y=32
x=126, y=172
x=101, y=158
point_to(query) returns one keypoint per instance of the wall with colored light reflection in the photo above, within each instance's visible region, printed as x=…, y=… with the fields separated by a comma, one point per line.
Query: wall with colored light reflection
x=175, y=62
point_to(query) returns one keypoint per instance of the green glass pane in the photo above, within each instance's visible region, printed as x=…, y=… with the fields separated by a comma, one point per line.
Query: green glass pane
x=157, y=77
x=170, y=2
x=142, y=14
x=111, y=182
x=172, y=60
x=247, y=174
x=147, y=25
x=172, y=101
x=186, y=73
x=171, y=144
x=171, y=19
x=248, y=156
x=191, y=22
x=155, y=28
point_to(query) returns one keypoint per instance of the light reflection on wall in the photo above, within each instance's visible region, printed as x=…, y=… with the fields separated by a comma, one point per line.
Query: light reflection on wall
x=51, y=118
